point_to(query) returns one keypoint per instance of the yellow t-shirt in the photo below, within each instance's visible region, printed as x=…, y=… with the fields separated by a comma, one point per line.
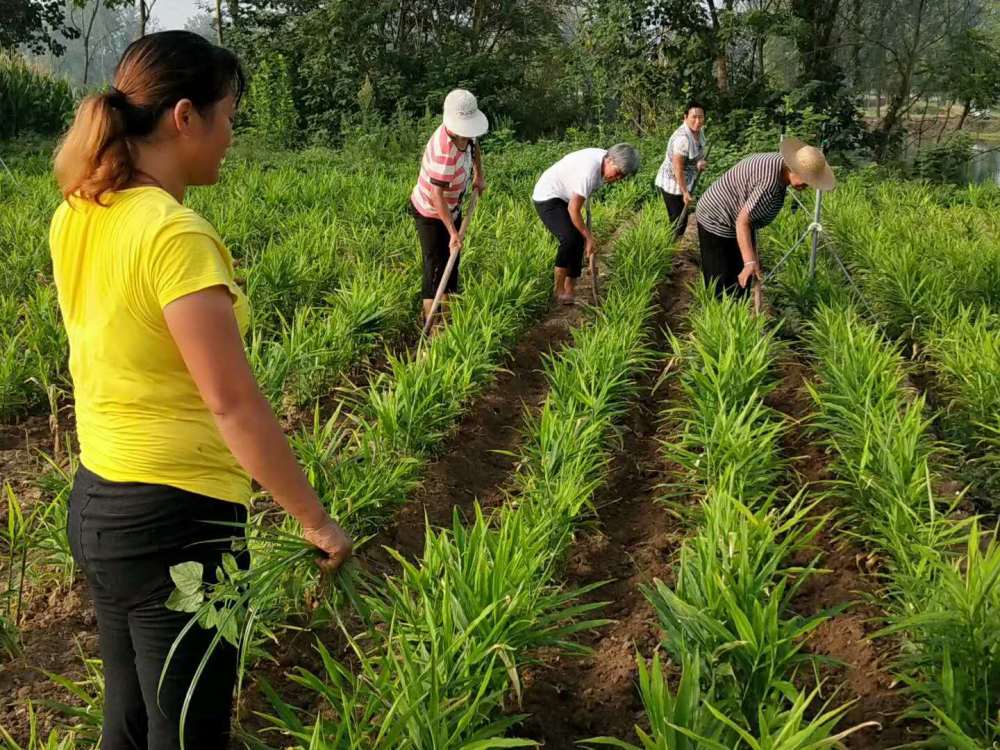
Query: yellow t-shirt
x=139, y=415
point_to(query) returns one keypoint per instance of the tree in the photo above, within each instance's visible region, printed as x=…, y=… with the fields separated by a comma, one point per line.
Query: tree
x=145, y=8
x=38, y=25
x=909, y=33
x=969, y=72
x=815, y=35
x=95, y=22
x=202, y=24
x=114, y=27
x=218, y=19
x=508, y=52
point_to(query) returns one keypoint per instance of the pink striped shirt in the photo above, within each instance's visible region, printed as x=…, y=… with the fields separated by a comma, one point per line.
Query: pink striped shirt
x=445, y=166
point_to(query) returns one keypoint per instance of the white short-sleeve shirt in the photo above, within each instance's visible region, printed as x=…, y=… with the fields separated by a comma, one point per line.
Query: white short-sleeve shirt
x=579, y=173
x=682, y=143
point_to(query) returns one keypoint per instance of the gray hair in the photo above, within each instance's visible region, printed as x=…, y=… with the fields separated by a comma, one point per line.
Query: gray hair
x=625, y=157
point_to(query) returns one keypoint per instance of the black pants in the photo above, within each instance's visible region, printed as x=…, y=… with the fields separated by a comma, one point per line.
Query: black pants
x=125, y=536
x=435, y=245
x=554, y=214
x=675, y=210
x=721, y=263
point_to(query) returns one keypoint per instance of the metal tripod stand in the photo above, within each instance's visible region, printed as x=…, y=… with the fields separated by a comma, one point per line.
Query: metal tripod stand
x=814, y=231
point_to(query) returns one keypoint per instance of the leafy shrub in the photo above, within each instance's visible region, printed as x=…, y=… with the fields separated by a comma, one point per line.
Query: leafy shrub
x=31, y=100
x=270, y=105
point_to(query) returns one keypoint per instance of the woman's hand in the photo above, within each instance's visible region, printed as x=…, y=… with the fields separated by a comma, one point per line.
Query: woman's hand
x=751, y=269
x=702, y=165
x=455, y=245
x=687, y=198
x=480, y=184
x=332, y=540
x=590, y=248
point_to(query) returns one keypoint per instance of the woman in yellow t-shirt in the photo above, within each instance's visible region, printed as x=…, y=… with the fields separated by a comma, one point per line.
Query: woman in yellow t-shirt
x=170, y=420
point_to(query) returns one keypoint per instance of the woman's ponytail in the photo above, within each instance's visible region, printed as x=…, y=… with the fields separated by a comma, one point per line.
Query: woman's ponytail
x=93, y=157
x=155, y=72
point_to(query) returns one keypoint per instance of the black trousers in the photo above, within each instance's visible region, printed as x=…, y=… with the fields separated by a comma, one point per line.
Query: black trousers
x=721, y=263
x=125, y=536
x=435, y=246
x=675, y=210
x=554, y=214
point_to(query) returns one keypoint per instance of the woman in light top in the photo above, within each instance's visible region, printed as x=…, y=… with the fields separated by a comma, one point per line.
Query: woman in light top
x=170, y=420
x=684, y=159
x=559, y=197
x=446, y=172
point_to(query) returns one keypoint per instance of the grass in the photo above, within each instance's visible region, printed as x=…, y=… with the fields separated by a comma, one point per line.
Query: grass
x=727, y=619
x=929, y=270
x=454, y=629
x=940, y=573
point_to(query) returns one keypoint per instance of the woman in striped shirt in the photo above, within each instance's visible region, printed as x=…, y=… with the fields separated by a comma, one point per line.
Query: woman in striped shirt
x=449, y=158
x=685, y=158
x=745, y=199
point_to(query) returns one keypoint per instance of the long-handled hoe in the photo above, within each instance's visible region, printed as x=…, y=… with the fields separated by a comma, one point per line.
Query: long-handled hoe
x=592, y=260
x=694, y=186
x=439, y=294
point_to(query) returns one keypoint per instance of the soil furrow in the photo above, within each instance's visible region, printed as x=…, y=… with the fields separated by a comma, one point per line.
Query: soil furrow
x=861, y=670
x=570, y=699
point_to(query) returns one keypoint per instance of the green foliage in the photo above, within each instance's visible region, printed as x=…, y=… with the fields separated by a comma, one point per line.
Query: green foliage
x=270, y=103
x=732, y=601
x=31, y=101
x=36, y=740
x=964, y=352
x=445, y=640
x=680, y=720
x=953, y=663
x=86, y=713
x=944, y=162
x=39, y=25
x=508, y=56
x=726, y=367
x=941, y=601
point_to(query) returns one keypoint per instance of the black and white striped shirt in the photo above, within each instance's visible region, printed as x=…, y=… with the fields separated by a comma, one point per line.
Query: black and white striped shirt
x=755, y=182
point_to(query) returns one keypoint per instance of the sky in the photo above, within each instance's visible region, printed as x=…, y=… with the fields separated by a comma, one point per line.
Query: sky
x=171, y=14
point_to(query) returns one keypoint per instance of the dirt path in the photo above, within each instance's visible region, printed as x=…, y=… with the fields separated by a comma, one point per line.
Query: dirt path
x=863, y=673
x=571, y=699
x=479, y=459
x=476, y=463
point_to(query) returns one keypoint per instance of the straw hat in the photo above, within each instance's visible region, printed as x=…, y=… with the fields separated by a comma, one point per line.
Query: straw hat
x=462, y=116
x=808, y=163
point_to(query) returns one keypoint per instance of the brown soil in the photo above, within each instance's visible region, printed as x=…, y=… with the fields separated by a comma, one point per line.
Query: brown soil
x=481, y=454
x=471, y=466
x=56, y=625
x=56, y=630
x=862, y=673
x=570, y=699
x=22, y=446
x=475, y=463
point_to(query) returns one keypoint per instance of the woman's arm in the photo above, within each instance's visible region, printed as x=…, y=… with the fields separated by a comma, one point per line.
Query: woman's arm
x=744, y=238
x=679, y=162
x=204, y=328
x=441, y=206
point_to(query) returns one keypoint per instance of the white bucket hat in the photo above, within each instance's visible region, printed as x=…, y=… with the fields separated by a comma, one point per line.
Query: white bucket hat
x=462, y=116
x=808, y=163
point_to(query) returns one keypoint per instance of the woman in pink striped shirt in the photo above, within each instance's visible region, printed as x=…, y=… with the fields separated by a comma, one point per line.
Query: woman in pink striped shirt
x=436, y=201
